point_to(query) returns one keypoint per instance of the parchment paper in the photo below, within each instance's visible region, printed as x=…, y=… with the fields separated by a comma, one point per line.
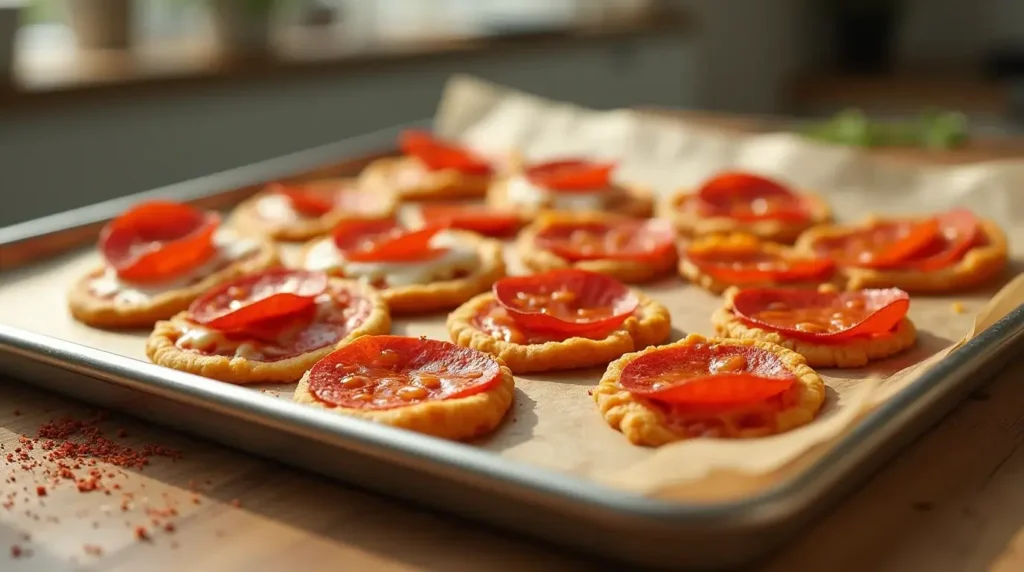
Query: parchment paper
x=554, y=423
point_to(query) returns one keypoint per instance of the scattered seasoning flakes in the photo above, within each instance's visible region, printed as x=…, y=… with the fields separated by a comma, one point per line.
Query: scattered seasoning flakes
x=236, y=502
x=141, y=533
x=169, y=527
x=93, y=550
x=41, y=491
x=17, y=412
x=16, y=551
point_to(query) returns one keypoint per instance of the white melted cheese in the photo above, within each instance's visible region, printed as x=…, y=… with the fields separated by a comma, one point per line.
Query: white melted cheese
x=325, y=256
x=521, y=192
x=230, y=247
x=277, y=207
x=196, y=337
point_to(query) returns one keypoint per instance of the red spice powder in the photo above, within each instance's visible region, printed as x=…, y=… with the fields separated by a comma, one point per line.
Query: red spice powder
x=41, y=491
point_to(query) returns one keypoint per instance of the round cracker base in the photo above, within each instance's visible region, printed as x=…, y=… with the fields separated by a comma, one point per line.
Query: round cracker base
x=445, y=184
x=104, y=313
x=632, y=272
x=691, y=224
x=444, y=294
x=246, y=220
x=645, y=425
x=978, y=266
x=690, y=271
x=161, y=349
x=855, y=353
x=457, y=419
x=651, y=326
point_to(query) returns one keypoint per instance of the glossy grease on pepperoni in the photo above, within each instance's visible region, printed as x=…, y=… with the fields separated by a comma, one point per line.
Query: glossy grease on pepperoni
x=747, y=197
x=384, y=241
x=387, y=372
x=624, y=239
x=750, y=263
x=823, y=316
x=480, y=219
x=158, y=241
x=257, y=299
x=438, y=155
x=713, y=376
x=571, y=175
x=885, y=244
x=959, y=230
x=569, y=301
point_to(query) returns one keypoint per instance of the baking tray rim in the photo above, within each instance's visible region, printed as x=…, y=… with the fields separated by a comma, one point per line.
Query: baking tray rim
x=456, y=460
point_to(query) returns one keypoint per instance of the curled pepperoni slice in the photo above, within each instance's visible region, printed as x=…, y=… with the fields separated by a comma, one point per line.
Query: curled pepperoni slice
x=823, y=316
x=158, y=241
x=750, y=262
x=386, y=372
x=617, y=239
x=259, y=303
x=305, y=201
x=885, y=244
x=385, y=241
x=480, y=219
x=569, y=302
x=748, y=197
x=959, y=230
x=438, y=155
x=713, y=376
x=573, y=176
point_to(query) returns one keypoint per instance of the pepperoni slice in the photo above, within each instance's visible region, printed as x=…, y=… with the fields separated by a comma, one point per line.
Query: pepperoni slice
x=259, y=303
x=568, y=302
x=304, y=200
x=385, y=241
x=884, y=244
x=959, y=230
x=387, y=372
x=158, y=241
x=439, y=155
x=747, y=197
x=750, y=263
x=823, y=316
x=480, y=219
x=573, y=176
x=619, y=239
x=713, y=376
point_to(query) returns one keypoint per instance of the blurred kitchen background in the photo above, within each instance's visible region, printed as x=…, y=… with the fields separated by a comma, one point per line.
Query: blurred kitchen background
x=109, y=97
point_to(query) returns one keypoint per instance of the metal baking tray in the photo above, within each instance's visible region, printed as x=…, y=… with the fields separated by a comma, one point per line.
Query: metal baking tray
x=452, y=477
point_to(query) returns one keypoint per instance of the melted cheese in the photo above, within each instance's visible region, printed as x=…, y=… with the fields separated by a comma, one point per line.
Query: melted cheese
x=275, y=206
x=196, y=337
x=230, y=247
x=522, y=193
x=459, y=257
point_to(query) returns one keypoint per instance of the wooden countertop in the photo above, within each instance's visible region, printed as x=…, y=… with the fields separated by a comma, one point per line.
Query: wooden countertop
x=950, y=502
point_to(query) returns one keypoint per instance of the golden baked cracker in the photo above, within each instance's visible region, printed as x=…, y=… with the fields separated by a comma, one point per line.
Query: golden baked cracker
x=691, y=223
x=246, y=219
x=540, y=260
x=162, y=348
x=646, y=424
x=461, y=418
x=412, y=181
x=99, y=312
x=851, y=353
x=650, y=325
x=979, y=265
x=443, y=294
x=691, y=272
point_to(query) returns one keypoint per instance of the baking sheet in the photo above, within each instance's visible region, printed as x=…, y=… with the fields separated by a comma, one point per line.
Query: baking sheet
x=554, y=423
